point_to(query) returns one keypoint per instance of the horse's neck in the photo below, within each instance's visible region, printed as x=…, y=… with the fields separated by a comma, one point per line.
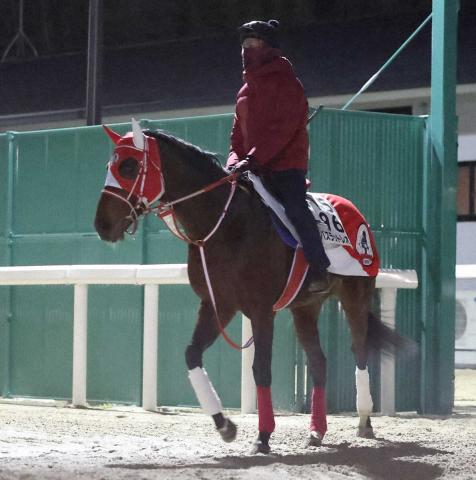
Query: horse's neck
x=199, y=214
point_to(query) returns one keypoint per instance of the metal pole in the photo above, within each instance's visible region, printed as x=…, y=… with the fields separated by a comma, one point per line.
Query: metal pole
x=151, y=336
x=80, y=345
x=5, y=329
x=437, y=393
x=374, y=77
x=94, y=75
x=388, y=304
x=248, y=388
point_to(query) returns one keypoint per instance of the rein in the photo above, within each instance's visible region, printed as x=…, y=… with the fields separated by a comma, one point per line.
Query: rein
x=167, y=209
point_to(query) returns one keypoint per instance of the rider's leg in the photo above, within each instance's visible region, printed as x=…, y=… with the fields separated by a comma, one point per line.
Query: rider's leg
x=290, y=188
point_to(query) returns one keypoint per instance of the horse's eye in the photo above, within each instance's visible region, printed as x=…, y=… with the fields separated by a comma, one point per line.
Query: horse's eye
x=129, y=168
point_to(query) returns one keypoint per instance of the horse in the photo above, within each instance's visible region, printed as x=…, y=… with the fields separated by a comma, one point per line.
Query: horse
x=237, y=262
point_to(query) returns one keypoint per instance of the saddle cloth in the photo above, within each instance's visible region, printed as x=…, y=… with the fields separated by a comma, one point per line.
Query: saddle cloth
x=348, y=241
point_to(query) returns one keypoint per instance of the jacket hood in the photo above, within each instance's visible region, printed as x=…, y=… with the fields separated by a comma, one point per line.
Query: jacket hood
x=278, y=64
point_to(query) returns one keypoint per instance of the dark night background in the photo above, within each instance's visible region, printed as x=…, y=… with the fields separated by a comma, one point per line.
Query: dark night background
x=181, y=54
x=60, y=26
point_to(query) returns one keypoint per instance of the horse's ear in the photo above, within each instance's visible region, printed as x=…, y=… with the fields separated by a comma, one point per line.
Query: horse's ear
x=137, y=135
x=115, y=137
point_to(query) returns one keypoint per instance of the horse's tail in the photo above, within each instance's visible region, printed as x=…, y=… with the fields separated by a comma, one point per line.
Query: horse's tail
x=381, y=338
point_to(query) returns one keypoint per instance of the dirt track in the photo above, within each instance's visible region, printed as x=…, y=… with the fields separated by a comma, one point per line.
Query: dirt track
x=65, y=443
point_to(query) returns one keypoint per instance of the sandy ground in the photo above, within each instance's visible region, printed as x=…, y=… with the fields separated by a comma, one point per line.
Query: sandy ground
x=98, y=444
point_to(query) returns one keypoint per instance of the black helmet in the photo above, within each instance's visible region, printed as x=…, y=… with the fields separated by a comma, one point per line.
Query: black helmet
x=266, y=31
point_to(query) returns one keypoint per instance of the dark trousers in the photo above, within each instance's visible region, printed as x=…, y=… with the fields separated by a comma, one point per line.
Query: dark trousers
x=289, y=187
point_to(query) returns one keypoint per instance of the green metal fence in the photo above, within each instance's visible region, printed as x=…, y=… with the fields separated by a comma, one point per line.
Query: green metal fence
x=48, y=195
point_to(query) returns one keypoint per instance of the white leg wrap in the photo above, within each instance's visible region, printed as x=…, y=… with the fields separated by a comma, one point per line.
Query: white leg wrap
x=364, y=399
x=206, y=394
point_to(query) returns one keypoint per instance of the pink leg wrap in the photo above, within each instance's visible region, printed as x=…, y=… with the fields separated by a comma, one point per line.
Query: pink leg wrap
x=265, y=409
x=318, y=410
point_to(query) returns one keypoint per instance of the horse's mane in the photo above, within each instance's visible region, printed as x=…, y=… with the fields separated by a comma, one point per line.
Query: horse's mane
x=202, y=159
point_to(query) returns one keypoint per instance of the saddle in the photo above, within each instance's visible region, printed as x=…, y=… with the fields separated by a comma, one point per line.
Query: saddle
x=347, y=238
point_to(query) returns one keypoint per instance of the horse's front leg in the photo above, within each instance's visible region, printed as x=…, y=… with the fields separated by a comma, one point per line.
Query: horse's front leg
x=263, y=340
x=204, y=335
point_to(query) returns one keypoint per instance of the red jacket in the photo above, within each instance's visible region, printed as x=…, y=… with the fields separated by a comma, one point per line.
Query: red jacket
x=270, y=119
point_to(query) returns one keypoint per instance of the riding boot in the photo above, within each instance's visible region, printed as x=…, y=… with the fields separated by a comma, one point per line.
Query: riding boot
x=318, y=264
x=319, y=284
x=319, y=280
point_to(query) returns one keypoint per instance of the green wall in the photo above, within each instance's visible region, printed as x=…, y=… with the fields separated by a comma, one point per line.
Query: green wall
x=49, y=190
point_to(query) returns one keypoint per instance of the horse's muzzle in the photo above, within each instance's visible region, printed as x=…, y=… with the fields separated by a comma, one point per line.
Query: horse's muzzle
x=108, y=232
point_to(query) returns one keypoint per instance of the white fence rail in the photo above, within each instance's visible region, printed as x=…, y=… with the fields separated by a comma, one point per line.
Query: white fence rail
x=151, y=276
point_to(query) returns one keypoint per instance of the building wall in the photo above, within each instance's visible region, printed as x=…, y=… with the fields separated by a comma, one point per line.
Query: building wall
x=417, y=98
x=465, y=321
x=466, y=110
x=466, y=231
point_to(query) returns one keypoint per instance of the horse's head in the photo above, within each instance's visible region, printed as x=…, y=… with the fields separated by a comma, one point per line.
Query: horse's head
x=134, y=181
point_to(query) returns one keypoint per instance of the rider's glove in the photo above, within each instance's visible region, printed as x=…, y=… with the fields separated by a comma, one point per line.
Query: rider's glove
x=253, y=164
x=241, y=167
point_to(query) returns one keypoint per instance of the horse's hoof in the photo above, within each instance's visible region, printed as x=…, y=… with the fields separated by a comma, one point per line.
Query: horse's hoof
x=365, y=432
x=262, y=444
x=314, y=439
x=228, y=431
x=260, y=447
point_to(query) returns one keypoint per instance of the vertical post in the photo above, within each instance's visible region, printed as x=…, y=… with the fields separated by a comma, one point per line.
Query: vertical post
x=5, y=329
x=388, y=304
x=93, y=86
x=248, y=388
x=438, y=336
x=151, y=335
x=80, y=345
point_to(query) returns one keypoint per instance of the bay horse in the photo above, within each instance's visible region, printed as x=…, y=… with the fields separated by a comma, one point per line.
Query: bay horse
x=237, y=262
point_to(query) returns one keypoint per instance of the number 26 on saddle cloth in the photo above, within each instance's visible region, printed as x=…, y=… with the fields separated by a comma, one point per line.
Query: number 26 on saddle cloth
x=346, y=235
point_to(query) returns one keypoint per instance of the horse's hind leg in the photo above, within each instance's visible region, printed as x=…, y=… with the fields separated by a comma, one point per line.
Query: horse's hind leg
x=204, y=335
x=356, y=297
x=305, y=321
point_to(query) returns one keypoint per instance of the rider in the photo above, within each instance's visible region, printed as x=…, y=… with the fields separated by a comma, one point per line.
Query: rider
x=269, y=135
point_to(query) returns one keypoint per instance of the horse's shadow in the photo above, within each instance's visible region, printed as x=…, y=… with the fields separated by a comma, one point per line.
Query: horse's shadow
x=383, y=461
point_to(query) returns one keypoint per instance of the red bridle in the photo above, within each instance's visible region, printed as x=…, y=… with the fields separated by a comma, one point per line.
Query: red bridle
x=144, y=185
